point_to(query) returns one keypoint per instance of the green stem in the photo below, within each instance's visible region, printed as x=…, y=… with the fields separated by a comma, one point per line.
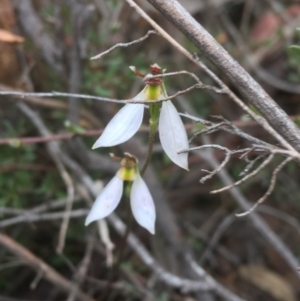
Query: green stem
x=154, y=116
x=128, y=228
x=149, y=152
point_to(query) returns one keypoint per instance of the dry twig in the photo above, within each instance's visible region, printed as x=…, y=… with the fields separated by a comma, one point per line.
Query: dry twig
x=258, y=223
x=228, y=155
x=270, y=189
x=99, y=98
x=247, y=177
x=100, y=55
x=39, y=217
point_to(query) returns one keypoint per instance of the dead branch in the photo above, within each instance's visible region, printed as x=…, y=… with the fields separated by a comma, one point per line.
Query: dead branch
x=228, y=155
x=250, y=164
x=258, y=223
x=99, y=98
x=226, y=126
x=247, y=177
x=51, y=103
x=39, y=217
x=241, y=200
x=53, y=204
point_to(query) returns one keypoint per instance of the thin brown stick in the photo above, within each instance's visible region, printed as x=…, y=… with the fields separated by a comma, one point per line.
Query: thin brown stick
x=106, y=99
x=262, y=228
x=98, y=56
x=64, y=136
x=228, y=154
x=51, y=103
x=250, y=165
x=39, y=217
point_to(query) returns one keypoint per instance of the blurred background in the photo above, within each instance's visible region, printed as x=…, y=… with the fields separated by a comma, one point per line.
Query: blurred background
x=46, y=46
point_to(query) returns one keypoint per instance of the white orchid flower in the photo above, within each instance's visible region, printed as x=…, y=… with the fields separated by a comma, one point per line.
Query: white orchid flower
x=172, y=134
x=123, y=125
x=141, y=201
x=127, y=121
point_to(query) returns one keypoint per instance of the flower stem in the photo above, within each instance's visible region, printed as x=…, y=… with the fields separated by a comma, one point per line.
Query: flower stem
x=154, y=116
x=149, y=152
x=128, y=228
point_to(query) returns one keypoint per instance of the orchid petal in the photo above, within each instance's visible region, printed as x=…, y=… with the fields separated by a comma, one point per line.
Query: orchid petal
x=142, y=204
x=123, y=125
x=107, y=201
x=173, y=135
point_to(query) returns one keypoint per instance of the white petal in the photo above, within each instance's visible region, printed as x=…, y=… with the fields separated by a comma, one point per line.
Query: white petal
x=173, y=135
x=107, y=201
x=122, y=127
x=142, y=204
